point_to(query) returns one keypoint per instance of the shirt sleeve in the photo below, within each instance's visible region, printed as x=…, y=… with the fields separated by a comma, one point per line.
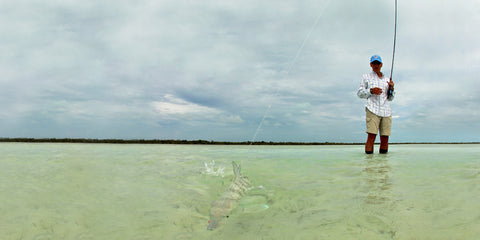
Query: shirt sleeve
x=363, y=90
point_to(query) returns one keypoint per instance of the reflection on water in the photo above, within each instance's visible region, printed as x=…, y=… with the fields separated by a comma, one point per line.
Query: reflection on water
x=83, y=191
x=379, y=202
x=378, y=170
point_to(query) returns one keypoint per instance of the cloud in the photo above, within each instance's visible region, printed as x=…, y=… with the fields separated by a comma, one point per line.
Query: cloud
x=174, y=108
x=210, y=69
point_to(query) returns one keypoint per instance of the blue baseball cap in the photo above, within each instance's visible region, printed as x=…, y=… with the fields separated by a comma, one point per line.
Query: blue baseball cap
x=376, y=58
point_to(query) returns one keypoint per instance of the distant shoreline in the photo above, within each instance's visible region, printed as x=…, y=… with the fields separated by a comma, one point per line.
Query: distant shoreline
x=200, y=142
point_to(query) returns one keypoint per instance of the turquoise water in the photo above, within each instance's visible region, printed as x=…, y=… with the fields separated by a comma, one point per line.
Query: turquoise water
x=103, y=191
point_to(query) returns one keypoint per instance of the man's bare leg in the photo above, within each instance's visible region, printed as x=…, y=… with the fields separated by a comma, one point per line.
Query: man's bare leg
x=383, y=144
x=369, y=144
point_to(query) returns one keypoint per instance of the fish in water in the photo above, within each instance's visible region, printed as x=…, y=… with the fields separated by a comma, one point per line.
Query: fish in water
x=227, y=202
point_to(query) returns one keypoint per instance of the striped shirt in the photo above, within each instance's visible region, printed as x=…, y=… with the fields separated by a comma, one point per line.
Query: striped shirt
x=377, y=104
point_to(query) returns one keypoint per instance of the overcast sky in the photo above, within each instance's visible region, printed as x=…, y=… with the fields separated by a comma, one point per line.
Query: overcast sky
x=211, y=69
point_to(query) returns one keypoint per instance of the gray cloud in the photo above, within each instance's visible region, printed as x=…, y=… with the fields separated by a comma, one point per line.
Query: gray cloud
x=211, y=69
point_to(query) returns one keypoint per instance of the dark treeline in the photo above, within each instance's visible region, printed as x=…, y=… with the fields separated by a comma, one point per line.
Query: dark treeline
x=158, y=141
x=169, y=141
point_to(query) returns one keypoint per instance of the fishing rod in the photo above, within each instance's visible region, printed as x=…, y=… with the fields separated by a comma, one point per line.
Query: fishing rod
x=390, y=91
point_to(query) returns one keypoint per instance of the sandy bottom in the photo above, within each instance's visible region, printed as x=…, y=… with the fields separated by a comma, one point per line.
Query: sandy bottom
x=84, y=191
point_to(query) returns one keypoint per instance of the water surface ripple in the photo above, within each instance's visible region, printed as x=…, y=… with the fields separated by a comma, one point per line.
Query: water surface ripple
x=108, y=191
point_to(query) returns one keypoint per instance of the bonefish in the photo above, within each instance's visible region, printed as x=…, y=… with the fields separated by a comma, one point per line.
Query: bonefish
x=222, y=207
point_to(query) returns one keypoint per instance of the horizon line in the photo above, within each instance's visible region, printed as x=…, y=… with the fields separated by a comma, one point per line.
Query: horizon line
x=200, y=141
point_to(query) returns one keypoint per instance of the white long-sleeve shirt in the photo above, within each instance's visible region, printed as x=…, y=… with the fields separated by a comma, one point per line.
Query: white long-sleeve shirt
x=377, y=104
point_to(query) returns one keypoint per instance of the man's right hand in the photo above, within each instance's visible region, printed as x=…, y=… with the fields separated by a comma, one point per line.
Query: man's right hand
x=376, y=91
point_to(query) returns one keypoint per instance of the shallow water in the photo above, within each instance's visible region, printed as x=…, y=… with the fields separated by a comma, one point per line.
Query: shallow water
x=104, y=191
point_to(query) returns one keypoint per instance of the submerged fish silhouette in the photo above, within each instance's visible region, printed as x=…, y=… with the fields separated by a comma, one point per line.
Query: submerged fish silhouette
x=227, y=202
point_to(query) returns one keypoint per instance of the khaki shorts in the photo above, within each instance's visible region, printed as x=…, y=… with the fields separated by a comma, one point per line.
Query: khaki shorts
x=376, y=123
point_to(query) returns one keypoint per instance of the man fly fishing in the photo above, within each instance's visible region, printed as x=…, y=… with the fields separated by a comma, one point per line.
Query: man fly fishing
x=378, y=90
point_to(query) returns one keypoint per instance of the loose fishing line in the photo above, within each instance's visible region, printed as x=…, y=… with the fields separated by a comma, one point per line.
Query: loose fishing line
x=289, y=69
